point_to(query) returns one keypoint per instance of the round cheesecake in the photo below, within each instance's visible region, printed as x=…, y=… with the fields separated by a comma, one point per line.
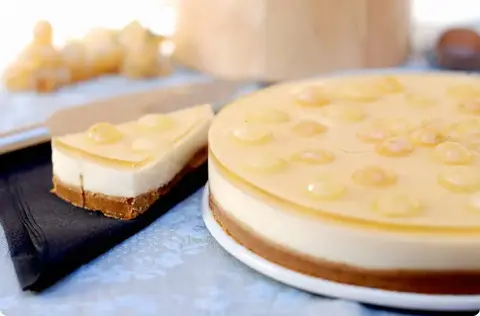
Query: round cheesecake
x=369, y=180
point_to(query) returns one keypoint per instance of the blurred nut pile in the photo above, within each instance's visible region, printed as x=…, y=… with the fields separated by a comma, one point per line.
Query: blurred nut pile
x=133, y=52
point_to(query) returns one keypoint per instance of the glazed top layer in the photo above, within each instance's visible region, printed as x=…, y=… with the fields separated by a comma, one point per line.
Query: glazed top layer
x=400, y=150
x=136, y=143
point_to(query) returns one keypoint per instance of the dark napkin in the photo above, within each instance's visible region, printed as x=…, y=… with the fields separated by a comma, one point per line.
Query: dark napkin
x=49, y=238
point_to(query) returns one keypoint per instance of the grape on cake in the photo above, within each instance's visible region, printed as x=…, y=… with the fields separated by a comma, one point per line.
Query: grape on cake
x=370, y=180
x=121, y=170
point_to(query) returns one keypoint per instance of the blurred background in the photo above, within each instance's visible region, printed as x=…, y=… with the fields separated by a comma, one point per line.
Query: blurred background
x=72, y=19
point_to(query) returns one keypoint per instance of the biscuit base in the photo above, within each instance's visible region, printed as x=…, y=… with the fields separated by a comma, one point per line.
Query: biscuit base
x=124, y=208
x=411, y=281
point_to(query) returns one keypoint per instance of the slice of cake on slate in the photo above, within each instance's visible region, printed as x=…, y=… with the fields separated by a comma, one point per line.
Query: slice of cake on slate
x=121, y=170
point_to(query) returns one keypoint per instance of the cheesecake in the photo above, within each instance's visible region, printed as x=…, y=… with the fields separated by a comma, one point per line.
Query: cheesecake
x=121, y=170
x=366, y=180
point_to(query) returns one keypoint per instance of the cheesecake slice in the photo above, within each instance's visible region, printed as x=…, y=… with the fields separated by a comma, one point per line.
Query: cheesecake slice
x=121, y=170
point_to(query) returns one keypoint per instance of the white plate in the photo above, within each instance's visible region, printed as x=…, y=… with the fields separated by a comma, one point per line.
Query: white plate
x=319, y=286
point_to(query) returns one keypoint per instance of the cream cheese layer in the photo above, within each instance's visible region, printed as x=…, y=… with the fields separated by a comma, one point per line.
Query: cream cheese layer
x=369, y=248
x=133, y=158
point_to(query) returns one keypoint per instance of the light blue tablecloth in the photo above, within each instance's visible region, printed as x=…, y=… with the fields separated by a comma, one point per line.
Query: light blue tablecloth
x=173, y=267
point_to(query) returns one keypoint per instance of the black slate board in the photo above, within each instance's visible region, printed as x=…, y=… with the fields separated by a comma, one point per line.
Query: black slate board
x=49, y=238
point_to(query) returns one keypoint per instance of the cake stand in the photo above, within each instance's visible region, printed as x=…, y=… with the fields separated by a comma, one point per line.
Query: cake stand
x=316, y=285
